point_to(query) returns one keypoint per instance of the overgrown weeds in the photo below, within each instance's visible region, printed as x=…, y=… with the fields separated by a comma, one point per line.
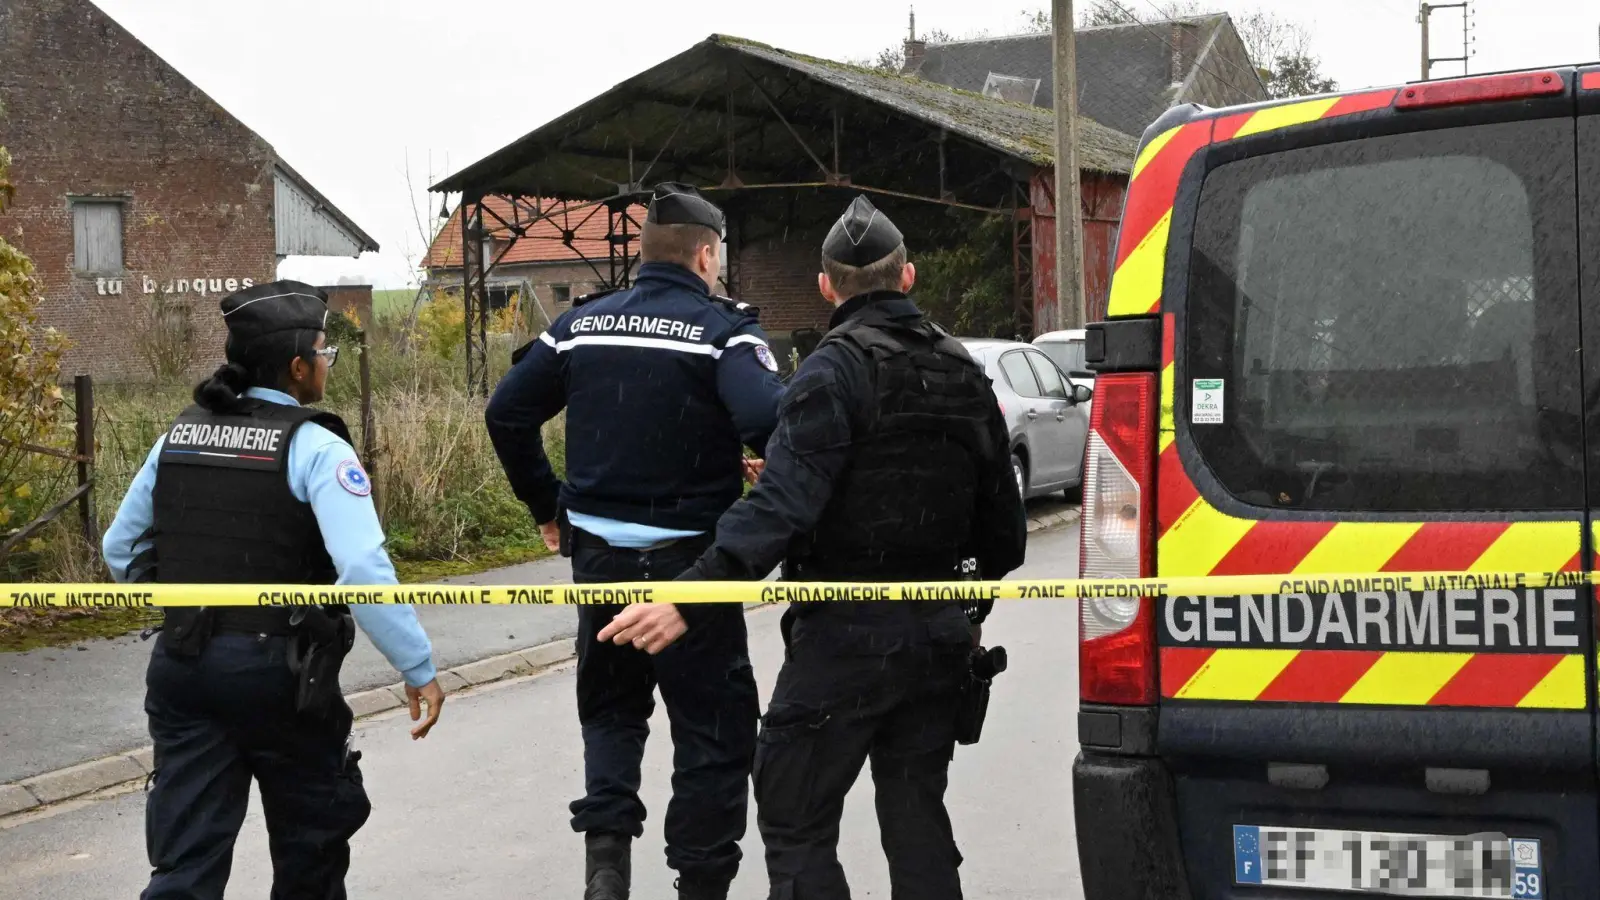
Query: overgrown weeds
x=442, y=495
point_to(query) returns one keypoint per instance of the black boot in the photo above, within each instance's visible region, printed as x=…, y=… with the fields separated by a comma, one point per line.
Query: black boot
x=607, y=870
x=690, y=889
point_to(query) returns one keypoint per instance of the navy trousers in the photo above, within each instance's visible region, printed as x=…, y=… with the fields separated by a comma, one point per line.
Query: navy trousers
x=710, y=692
x=218, y=720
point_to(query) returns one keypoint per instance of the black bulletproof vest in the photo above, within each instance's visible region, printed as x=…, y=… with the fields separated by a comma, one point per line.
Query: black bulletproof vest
x=224, y=513
x=903, y=508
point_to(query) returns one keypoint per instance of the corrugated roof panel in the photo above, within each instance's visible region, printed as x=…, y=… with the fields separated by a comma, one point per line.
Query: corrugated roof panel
x=305, y=227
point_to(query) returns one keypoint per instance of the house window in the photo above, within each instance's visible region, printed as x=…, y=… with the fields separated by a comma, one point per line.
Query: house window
x=562, y=294
x=97, y=236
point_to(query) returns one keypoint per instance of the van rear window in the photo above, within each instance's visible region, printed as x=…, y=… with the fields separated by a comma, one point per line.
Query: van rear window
x=1394, y=320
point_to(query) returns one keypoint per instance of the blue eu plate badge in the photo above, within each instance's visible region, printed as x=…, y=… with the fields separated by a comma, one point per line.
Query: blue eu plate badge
x=1246, y=854
x=1305, y=858
x=353, y=478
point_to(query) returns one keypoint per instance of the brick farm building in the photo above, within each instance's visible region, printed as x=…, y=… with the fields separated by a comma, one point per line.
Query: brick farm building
x=140, y=200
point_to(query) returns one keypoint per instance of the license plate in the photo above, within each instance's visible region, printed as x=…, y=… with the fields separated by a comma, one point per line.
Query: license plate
x=1376, y=862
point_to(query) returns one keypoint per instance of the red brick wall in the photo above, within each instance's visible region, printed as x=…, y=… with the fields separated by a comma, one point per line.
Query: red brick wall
x=351, y=297
x=780, y=277
x=88, y=110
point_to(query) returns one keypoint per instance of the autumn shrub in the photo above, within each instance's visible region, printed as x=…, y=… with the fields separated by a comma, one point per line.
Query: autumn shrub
x=31, y=402
x=164, y=336
x=343, y=330
x=440, y=330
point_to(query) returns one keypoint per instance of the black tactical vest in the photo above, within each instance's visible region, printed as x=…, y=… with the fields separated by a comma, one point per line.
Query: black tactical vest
x=224, y=513
x=904, y=506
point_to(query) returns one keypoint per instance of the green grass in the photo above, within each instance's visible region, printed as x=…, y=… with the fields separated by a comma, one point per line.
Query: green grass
x=32, y=629
x=429, y=571
x=392, y=303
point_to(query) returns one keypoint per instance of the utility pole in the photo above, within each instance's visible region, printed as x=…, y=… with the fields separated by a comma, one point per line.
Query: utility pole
x=1069, y=309
x=1424, y=12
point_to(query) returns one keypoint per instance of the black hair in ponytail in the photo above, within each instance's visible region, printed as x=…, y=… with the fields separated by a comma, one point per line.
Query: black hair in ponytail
x=263, y=362
x=221, y=391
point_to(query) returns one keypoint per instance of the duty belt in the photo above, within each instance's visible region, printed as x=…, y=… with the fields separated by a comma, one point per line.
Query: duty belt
x=250, y=620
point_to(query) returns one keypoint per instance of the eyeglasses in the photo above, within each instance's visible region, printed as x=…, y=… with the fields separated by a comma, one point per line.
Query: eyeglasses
x=331, y=354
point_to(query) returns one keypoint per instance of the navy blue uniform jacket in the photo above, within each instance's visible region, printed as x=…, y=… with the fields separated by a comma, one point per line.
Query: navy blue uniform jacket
x=662, y=383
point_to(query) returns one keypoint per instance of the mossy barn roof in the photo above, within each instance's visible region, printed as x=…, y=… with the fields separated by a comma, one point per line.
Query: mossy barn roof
x=734, y=113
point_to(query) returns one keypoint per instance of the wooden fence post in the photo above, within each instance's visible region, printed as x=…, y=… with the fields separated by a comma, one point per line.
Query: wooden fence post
x=83, y=388
x=369, y=440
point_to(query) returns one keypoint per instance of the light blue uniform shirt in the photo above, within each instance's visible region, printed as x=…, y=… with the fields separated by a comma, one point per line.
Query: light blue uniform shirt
x=625, y=534
x=350, y=531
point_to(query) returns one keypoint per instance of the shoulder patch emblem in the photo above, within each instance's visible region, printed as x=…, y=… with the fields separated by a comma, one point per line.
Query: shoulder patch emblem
x=765, y=357
x=353, y=478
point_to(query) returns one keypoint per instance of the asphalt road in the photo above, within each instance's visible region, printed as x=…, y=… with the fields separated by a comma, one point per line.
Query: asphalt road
x=478, y=810
x=64, y=705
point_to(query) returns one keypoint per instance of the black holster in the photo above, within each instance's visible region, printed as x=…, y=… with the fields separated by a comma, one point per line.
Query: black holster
x=973, y=706
x=185, y=630
x=323, y=638
x=564, y=526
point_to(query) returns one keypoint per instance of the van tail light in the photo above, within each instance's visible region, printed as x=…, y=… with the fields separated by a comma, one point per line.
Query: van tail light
x=1482, y=89
x=1116, y=656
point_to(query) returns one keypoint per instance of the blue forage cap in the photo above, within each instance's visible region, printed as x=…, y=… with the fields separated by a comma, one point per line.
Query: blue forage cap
x=674, y=203
x=862, y=236
x=278, y=306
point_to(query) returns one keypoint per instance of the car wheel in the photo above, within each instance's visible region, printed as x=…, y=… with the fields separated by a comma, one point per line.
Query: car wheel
x=1074, y=494
x=1020, y=472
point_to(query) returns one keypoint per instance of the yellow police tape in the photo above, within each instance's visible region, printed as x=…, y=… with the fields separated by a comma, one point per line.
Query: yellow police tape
x=155, y=595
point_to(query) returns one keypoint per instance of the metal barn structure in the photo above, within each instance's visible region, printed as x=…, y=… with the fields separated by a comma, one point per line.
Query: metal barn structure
x=780, y=140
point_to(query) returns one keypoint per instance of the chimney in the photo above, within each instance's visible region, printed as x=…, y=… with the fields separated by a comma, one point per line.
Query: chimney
x=914, y=49
x=1185, y=48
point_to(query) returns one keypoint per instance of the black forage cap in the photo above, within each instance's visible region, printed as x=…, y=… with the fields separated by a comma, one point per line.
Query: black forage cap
x=674, y=203
x=862, y=236
x=270, y=308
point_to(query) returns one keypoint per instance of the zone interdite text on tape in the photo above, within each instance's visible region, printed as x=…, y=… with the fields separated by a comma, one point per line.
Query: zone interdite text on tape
x=157, y=595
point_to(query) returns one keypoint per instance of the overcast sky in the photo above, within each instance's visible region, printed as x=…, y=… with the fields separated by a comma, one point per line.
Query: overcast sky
x=346, y=90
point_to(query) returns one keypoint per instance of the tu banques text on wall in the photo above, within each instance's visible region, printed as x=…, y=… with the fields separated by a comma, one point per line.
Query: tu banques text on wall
x=203, y=287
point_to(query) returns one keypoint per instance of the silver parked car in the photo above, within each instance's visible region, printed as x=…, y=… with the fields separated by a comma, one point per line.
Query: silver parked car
x=1065, y=349
x=1046, y=414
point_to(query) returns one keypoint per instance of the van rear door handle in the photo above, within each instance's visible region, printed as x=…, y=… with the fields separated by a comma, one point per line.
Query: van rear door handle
x=1033, y=414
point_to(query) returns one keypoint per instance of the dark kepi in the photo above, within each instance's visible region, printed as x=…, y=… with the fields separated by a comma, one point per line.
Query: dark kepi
x=674, y=203
x=862, y=236
x=269, y=308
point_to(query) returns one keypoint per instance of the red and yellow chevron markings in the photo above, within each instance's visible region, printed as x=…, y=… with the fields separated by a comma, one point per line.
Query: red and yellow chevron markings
x=1393, y=678
x=1136, y=285
x=1196, y=538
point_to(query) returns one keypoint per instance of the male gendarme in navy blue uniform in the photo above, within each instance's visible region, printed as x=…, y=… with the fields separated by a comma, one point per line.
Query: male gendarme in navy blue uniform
x=250, y=486
x=663, y=384
x=889, y=463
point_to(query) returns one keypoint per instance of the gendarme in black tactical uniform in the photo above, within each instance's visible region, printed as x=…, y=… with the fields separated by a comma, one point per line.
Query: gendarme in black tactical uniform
x=889, y=463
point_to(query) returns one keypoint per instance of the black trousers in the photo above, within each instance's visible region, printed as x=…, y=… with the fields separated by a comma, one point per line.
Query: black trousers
x=830, y=713
x=710, y=692
x=218, y=720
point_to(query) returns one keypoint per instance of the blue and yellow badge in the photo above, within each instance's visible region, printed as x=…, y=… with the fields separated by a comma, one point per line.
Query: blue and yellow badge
x=353, y=478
